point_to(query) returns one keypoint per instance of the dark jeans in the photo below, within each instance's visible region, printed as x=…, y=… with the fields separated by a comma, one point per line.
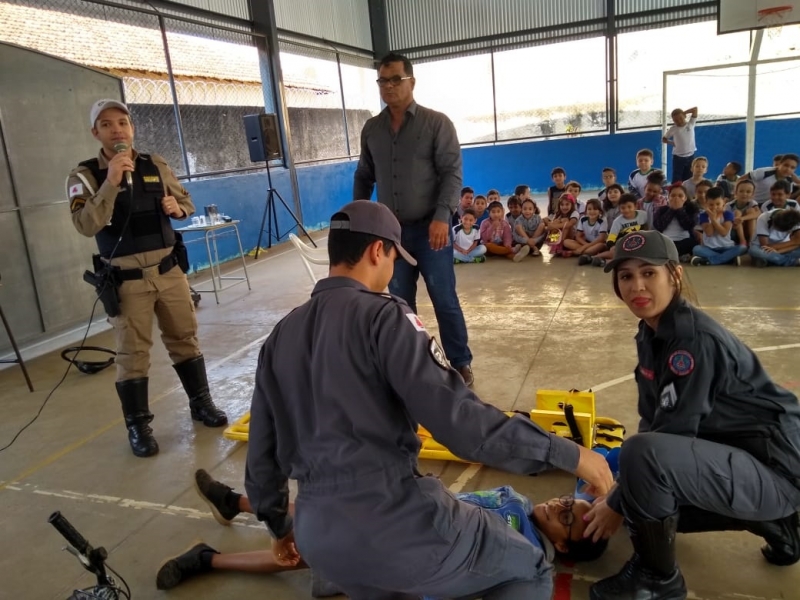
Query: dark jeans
x=437, y=270
x=686, y=246
x=681, y=167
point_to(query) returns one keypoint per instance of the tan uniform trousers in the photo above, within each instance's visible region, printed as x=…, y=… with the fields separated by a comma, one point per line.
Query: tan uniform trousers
x=168, y=297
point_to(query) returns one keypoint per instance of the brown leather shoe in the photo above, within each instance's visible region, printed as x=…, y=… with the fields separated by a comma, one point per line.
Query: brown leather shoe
x=466, y=373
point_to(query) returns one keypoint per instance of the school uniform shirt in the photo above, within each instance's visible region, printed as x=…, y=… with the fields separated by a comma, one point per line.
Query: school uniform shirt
x=637, y=181
x=574, y=215
x=683, y=138
x=622, y=226
x=768, y=206
x=764, y=227
x=592, y=231
x=464, y=239
x=717, y=240
x=581, y=207
x=611, y=214
x=691, y=188
x=651, y=207
x=726, y=185
x=763, y=179
x=731, y=206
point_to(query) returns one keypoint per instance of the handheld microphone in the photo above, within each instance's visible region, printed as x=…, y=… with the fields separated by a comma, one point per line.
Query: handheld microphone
x=119, y=148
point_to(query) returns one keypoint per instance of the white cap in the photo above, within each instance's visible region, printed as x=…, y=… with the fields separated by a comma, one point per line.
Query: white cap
x=101, y=105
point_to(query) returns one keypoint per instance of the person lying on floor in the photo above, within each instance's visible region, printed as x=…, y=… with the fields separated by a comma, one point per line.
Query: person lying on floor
x=556, y=526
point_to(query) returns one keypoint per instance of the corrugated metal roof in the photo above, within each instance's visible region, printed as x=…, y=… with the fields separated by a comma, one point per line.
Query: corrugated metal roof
x=416, y=23
x=626, y=7
x=639, y=21
x=342, y=21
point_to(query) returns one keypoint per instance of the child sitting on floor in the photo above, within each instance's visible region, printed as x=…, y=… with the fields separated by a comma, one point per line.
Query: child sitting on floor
x=467, y=245
x=653, y=197
x=628, y=220
x=779, y=197
x=777, y=239
x=717, y=221
x=745, y=211
x=609, y=178
x=590, y=237
x=677, y=221
x=611, y=203
x=574, y=188
x=496, y=235
x=514, y=205
x=481, y=212
x=561, y=225
x=728, y=178
x=529, y=228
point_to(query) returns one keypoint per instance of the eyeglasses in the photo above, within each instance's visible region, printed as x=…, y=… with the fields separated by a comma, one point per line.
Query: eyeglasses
x=395, y=81
x=567, y=517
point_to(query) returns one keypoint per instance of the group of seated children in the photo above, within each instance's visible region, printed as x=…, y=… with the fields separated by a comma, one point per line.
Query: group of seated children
x=711, y=224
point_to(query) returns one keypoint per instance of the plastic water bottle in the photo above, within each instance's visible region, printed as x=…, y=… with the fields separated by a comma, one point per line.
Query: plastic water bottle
x=612, y=458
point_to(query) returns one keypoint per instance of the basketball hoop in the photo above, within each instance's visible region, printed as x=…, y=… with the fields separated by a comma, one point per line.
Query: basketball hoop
x=773, y=19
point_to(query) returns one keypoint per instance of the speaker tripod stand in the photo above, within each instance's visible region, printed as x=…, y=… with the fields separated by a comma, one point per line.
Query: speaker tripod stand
x=270, y=216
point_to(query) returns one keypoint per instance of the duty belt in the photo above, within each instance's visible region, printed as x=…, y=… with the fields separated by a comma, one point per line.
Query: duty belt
x=166, y=264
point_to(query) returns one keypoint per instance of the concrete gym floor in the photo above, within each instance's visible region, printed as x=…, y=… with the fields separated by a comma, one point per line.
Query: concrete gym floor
x=536, y=324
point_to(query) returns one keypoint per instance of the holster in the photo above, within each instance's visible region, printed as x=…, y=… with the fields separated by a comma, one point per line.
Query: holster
x=105, y=285
x=180, y=252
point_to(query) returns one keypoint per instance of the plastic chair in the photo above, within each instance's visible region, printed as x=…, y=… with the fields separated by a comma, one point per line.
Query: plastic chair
x=317, y=256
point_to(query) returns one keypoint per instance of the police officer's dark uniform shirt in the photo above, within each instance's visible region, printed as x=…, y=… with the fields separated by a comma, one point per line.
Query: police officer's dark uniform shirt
x=341, y=383
x=697, y=379
x=418, y=169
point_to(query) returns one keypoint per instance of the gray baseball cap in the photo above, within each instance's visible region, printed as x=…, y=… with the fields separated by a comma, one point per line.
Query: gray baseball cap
x=373, y=218
x=103, y=104
x=650, y=246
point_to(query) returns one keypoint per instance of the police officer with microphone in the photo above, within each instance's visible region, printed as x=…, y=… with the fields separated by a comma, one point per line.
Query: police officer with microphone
x=125, y=199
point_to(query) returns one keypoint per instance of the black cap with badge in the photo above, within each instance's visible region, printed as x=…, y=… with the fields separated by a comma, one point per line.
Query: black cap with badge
x=649, y=246
x=373, y=218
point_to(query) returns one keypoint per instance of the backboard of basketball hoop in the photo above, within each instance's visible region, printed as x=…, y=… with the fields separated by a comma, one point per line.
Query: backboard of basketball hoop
x=746, y=15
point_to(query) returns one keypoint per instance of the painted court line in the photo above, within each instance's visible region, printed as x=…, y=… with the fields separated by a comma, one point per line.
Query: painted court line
x=163, y=509
x=463, y=479
x=100, y=431
x=624, y=378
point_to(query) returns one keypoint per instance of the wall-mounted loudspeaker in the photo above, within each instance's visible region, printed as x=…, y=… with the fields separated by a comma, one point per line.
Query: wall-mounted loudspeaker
x=263, y=137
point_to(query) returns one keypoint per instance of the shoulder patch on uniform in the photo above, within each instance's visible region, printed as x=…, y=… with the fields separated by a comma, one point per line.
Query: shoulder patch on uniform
x=669, y=398
x=415, y=321
x=681, y=362
x=76, y=189
x=633, y=242
x=438, y=354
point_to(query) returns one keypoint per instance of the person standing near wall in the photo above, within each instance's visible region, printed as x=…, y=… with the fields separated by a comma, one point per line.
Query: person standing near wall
x=413, y=155
x=124, y=199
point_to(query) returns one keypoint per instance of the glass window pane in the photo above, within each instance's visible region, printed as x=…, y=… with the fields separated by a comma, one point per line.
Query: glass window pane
x=361, y=99
x=552, y=89
x=314, y=100
x=643, y=56
x=461, y=88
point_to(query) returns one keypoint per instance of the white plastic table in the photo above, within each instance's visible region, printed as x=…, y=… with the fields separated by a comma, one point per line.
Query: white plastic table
x=211, y=233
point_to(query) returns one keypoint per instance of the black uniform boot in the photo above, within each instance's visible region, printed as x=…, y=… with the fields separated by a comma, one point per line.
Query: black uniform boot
x=193, y=376
x=782, y=537
x=133, y=395
x=652, y=573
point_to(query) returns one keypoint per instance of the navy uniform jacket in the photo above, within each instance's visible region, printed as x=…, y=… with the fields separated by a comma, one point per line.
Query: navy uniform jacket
x=696, y=379
x=341, y=384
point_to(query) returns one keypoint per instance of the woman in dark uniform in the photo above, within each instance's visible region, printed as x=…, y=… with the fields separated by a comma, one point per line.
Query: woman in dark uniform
x=718, y=446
